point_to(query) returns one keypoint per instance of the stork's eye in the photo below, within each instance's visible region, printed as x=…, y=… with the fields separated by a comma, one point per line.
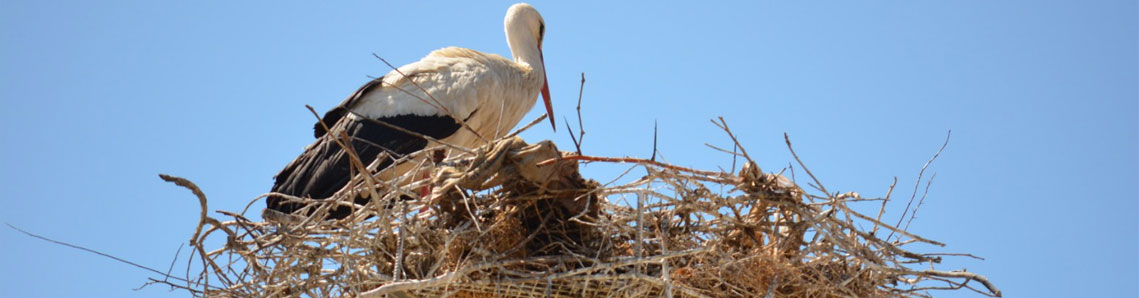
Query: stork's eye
x=541, y=31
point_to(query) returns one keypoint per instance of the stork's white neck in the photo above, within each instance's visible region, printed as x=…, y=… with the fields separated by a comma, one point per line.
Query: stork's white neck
x=523, y=44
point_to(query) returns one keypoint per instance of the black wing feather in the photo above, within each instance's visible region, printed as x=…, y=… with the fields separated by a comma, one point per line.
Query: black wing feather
x=325, y=167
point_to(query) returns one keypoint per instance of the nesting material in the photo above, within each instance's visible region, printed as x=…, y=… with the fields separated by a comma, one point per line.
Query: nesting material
x=518, y=220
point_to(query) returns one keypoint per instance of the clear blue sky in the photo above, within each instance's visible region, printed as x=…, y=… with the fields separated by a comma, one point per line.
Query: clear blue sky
x=1040, y=177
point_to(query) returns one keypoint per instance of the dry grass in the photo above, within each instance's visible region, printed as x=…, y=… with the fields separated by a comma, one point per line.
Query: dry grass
x=518, y=220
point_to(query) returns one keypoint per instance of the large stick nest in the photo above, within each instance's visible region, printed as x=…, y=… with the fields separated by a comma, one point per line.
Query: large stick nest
x=518, y=220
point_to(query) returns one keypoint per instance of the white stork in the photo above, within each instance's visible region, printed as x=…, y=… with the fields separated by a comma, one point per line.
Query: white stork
x=487, y=92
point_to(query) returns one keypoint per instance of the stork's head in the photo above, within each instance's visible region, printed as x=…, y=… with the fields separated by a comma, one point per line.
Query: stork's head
x=525, y=30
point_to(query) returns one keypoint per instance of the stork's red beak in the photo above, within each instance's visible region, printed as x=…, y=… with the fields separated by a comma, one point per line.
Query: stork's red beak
x=546, y=91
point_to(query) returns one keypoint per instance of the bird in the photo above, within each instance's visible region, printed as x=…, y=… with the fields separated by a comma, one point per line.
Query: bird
x=457, y=96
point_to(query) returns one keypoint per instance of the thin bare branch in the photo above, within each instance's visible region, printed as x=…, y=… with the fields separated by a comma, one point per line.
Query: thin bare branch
x=106, y=255
x=917, y=183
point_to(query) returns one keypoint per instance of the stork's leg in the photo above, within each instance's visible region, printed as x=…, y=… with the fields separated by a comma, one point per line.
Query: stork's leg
x=437, y=158
x=426, y=189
